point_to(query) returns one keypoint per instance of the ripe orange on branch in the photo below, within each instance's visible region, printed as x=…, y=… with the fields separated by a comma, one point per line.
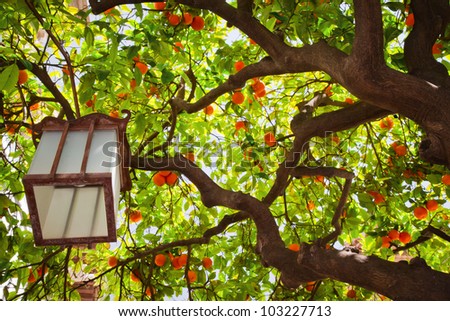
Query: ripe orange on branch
x=400, y=150
x=209, y=110
x=135, y=216
x=269, y=139
x=207, y=262
x=432, y=205
x=404, y=237
x=160, y=259
x=174, y=19
x=238, y=65
x=192, y=276
x=387, y=123
x=143, y=68
x=294, y=247
x=187, y=18
x=112, y=261
x=23, y=77
x=165, y=177
x=420, y=212
x=410, y=20
x=393, y=235
x=159, y=5
x=237, y=97
x=240, y=125
x=198, y=23
x=446, y=179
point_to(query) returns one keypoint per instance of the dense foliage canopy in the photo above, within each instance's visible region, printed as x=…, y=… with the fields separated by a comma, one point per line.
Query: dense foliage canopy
x=281, y=150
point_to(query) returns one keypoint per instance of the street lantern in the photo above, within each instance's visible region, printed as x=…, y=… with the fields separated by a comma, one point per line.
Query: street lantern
x=75, y=179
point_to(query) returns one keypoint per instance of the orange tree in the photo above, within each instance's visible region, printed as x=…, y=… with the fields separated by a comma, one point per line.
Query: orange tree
x=281, y=150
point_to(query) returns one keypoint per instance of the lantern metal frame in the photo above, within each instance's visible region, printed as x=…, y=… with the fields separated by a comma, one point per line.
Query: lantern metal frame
x=90, y=123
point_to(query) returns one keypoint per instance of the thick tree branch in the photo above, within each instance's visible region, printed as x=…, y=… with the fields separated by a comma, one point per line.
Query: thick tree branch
x=398, y=281
x=431, y=18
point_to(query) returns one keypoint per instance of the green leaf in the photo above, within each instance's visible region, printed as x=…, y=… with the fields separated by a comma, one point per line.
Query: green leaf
x=9, y=77
x=141, y=124
x=167, y=77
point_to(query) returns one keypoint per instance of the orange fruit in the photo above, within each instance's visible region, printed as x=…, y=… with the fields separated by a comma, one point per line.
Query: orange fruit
x=112, y=261
x=377, y=197
x=182, y=259
x=165, y=173
x=393, y=235
x=122, y=95
x=66, y=70
x=135, y=216
x=386, y=123
x=134, y=275
x=400, y=150
x=436, y=49
x=446, y=179
x=310, y=205
x=90, y=103
x=190, y=156
x=209, y=110
x=240, y=125
x=328, y=91
x=351, y=294
x=23, y=77
x=198, y=23
x=258, y=86
x=420, y=212
x=237, y=97
x=177, y=46
x=176, y=263
x=432, y=205
x=310, y=286
x=108, y=12
x=133, y=84
x=410, y=20
x=42, y=269
x=114, y=113
x=404, y=237
x=187, y=18
x=31, y=277
x=150, y=290
x=349, y=101
x=11, y=128
x=158, y=179
x=143, y=68
x=171, y=179
x=269, y=139
x=174, y=19
x=294, y=247
x=238, y=65
x=252, y=42
x=386, y=241
x=319, y=179
x=260, y=94
x=207, y=262
x=336, y=139
x=192, y=276
x=160, y=259
x=159, y=5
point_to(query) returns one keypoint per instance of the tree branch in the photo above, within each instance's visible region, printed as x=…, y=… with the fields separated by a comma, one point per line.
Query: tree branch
x=398, y=281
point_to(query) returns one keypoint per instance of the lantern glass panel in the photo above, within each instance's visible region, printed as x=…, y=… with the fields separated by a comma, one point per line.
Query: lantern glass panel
x=71, y=212
x=45, y=153
x=72, y=153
